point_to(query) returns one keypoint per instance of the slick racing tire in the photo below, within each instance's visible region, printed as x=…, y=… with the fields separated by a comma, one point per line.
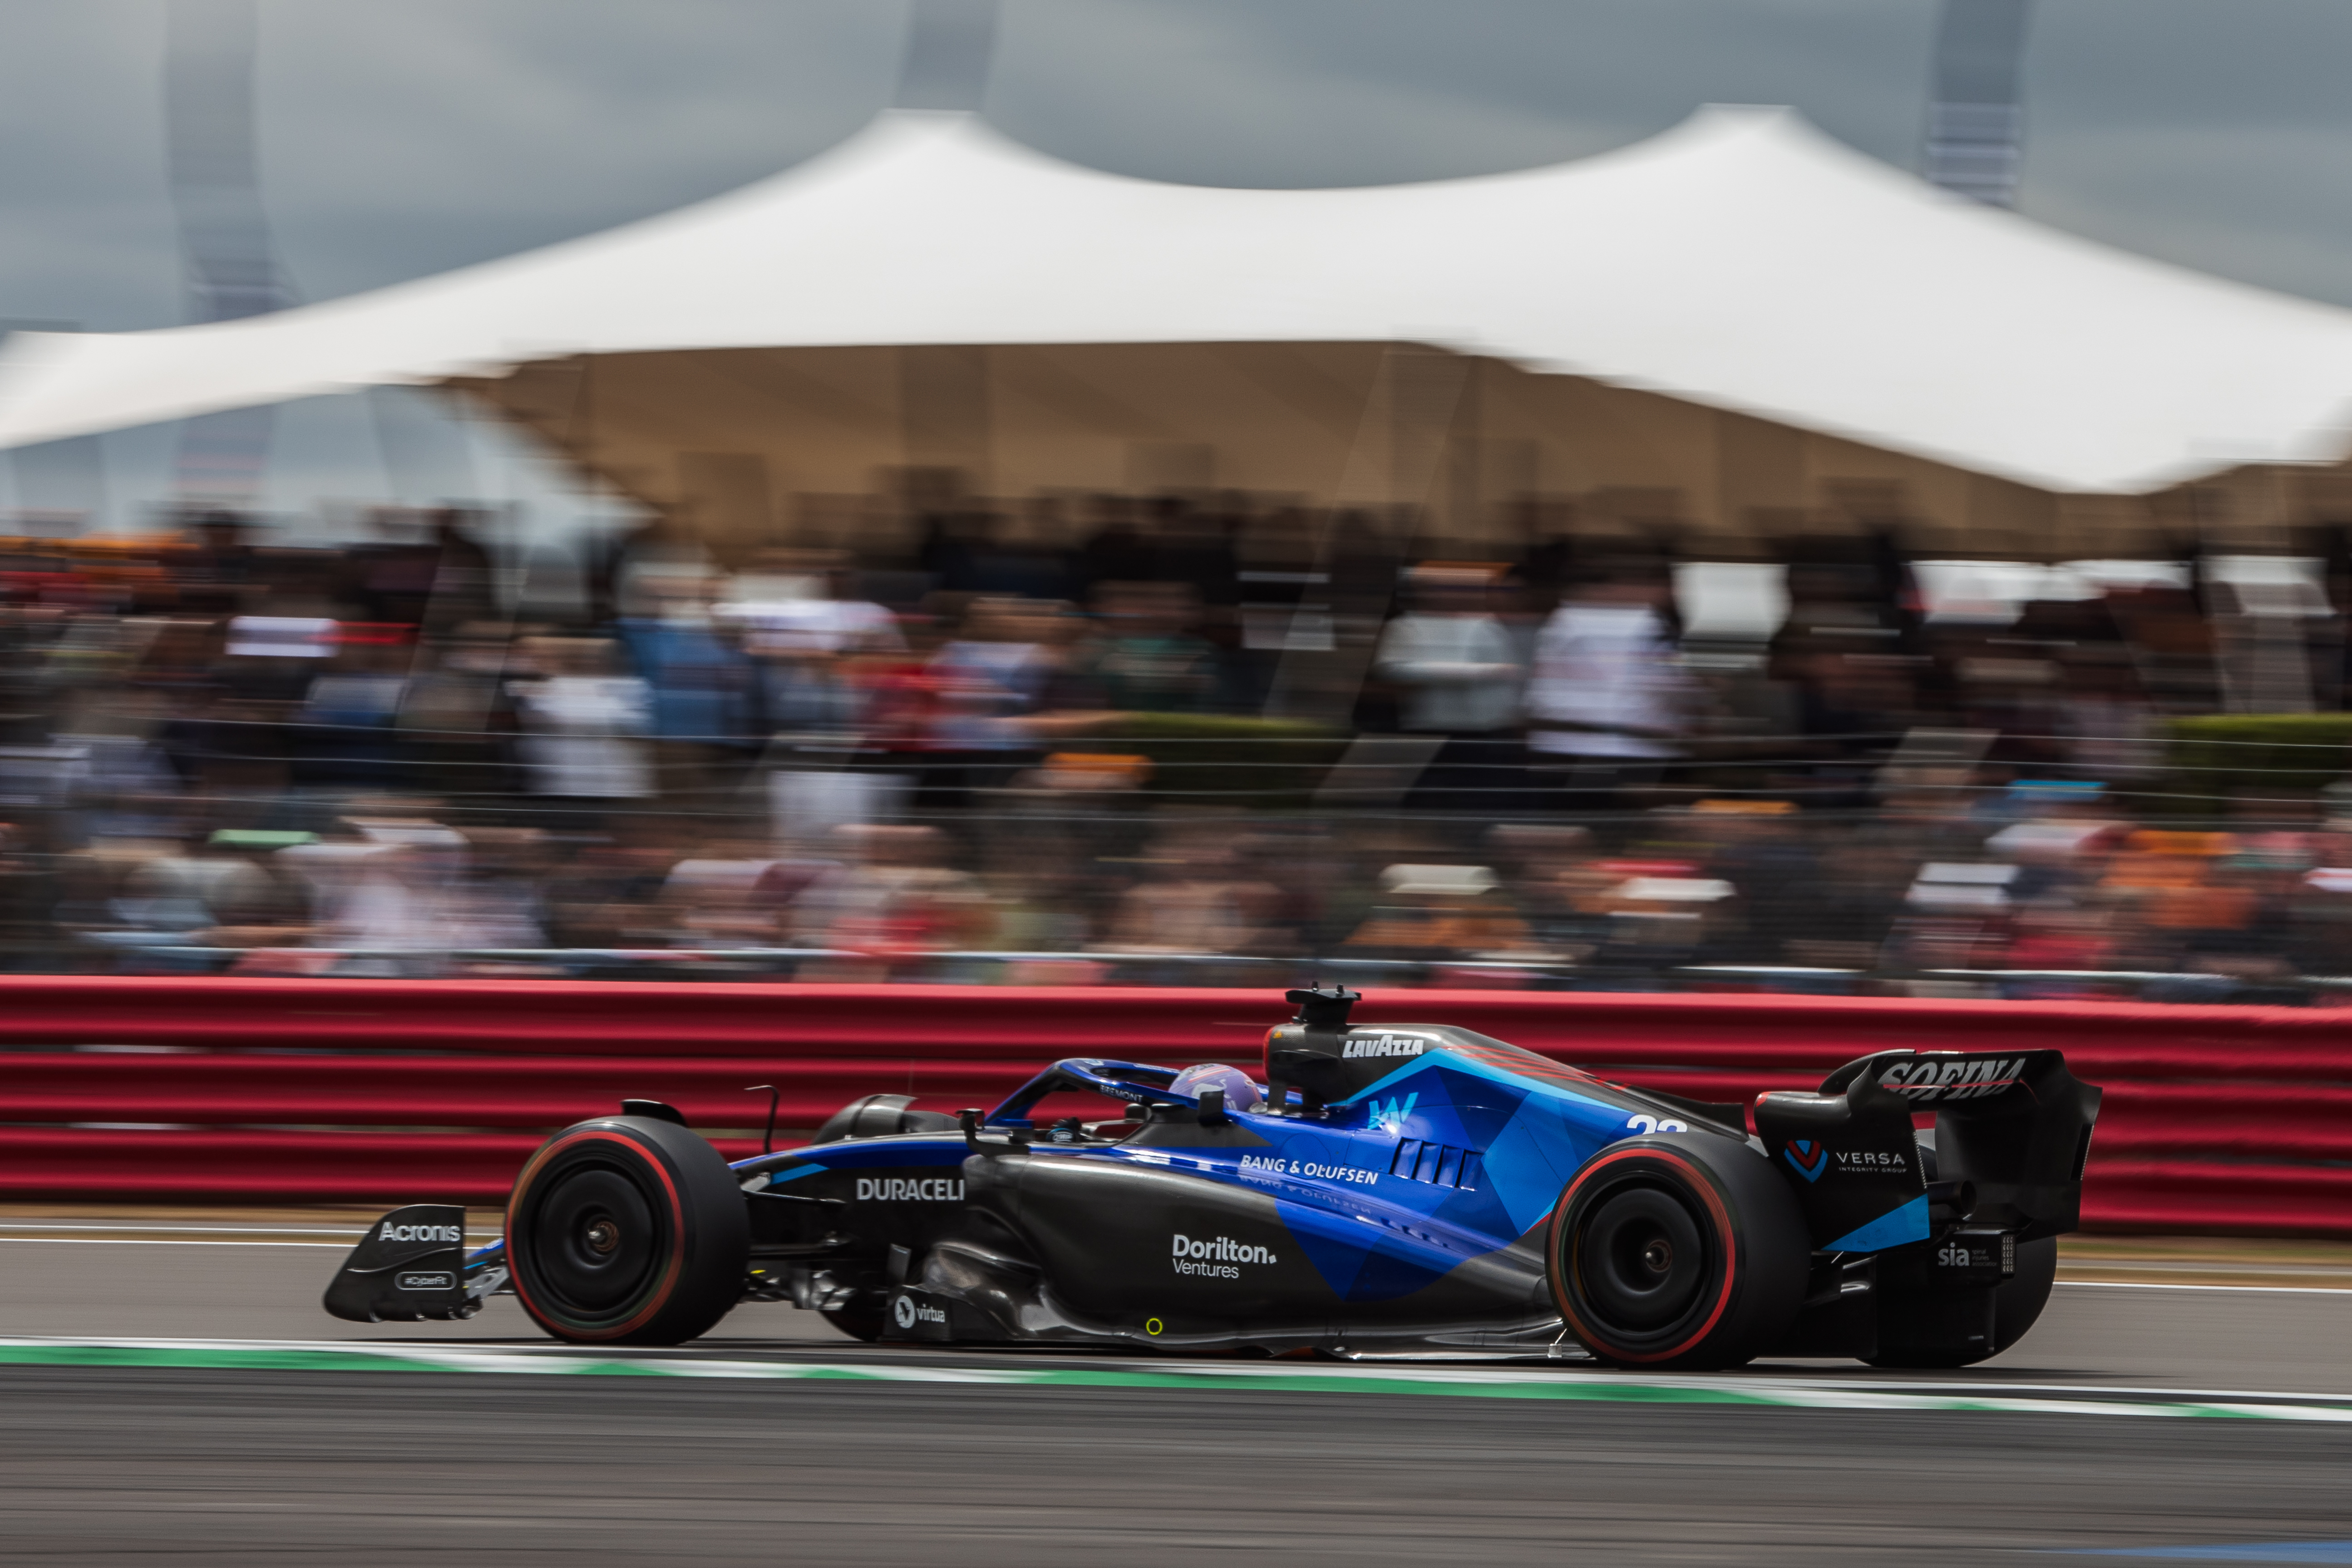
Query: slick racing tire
x=626, y=1230
x=1677, y=1252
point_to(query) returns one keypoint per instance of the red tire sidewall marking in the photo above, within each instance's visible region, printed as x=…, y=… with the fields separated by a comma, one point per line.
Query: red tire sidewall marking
x=678, y=1231
x=1564, y=1300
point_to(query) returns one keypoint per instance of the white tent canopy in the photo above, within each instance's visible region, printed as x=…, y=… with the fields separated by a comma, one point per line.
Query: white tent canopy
x=1741, y=260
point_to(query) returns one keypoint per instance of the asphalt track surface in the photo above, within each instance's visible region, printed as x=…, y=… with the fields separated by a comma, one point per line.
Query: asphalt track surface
x=154, y=1406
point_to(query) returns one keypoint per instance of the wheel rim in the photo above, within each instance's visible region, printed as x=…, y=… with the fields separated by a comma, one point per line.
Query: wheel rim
x=596, y=1242
x=1641, y=1260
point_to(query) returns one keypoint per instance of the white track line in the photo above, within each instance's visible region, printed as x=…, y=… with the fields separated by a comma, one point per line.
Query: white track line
x=2159, y=1285
x=185, y=1228
x=256, y=1355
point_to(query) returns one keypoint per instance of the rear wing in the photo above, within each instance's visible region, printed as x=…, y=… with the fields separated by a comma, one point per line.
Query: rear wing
x=1944, y=1078
x=2012, y=1134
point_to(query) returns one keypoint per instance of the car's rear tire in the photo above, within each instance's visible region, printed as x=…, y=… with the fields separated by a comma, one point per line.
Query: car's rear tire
x=1677, y=1252
x=627, y=1230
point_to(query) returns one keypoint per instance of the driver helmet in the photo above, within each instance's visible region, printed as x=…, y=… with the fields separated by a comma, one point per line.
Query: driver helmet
x=1241, y=1094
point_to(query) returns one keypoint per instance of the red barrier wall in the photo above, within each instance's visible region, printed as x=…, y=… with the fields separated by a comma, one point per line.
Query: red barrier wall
x=2216, y=1118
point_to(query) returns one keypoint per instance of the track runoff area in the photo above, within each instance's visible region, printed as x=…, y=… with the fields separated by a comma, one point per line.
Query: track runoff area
x=171, y=1387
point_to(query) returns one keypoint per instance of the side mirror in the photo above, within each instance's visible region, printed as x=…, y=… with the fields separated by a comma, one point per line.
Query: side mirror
x=1212, y=1108
x=969, y=1119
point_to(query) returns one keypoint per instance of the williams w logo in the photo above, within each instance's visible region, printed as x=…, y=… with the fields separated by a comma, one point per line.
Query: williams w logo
x=1810, y=1156
x=1391, y=1114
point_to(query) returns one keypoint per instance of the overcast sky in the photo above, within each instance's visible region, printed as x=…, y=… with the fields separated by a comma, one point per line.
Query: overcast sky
x=400, y=140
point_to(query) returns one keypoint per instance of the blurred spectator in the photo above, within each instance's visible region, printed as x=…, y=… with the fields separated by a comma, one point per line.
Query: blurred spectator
x=896, y=899
x=1842, y=914
x=1960, y=777
x=1196, y=897
x=700, y=684
x=1459, y=675
x=997, y=671
x=29, y=888
x=1116, y=551
x=465, y=585
x=607, y=891
x=1606, y=697
x=1437, y=912
x=2112, y=730
x=1547, y=874
x=582, y=724
x=401, y=892
x=381, y=890
x=1455, y=663
x=805, y=631
x=495, y=901
x=457, y=717
x=215, y=574
x=731, y=896
x=2058, y=936
x=1666, y=914
x=1145, y=658
x=347, y=714
x=210, y=892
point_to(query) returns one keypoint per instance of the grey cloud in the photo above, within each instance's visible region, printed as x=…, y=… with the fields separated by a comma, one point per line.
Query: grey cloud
x=406, y=140
x=402, y=139
x=1356, y=92
x=2209, y=135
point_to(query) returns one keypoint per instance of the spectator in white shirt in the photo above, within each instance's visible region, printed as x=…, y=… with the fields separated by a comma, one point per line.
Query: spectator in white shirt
x=1607, y=697
x=582, y=726
x=1457, y=673
x=1450, y=658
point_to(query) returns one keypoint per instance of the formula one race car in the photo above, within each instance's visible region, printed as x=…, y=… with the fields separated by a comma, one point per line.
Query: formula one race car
x=1398, y=1189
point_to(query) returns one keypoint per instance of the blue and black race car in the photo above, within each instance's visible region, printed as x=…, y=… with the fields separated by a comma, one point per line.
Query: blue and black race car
x=1387, y=1190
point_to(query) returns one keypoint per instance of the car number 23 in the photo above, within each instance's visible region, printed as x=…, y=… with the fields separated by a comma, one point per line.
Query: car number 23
x=1654, y=1124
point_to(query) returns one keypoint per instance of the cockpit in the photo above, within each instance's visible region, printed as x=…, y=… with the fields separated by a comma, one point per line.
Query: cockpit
x=1207, y=1094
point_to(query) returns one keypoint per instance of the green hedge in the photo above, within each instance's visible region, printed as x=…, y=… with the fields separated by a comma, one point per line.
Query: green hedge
x=2269, y=754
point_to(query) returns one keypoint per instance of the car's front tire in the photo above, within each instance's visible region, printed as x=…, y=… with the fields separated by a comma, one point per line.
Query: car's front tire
x=627, y=1230
x=1676, y=1253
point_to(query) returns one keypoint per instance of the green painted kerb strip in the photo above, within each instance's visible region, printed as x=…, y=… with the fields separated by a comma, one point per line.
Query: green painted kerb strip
x=1518, y=1383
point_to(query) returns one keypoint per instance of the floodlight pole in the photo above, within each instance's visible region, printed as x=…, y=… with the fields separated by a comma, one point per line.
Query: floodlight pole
x=1975, y=119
